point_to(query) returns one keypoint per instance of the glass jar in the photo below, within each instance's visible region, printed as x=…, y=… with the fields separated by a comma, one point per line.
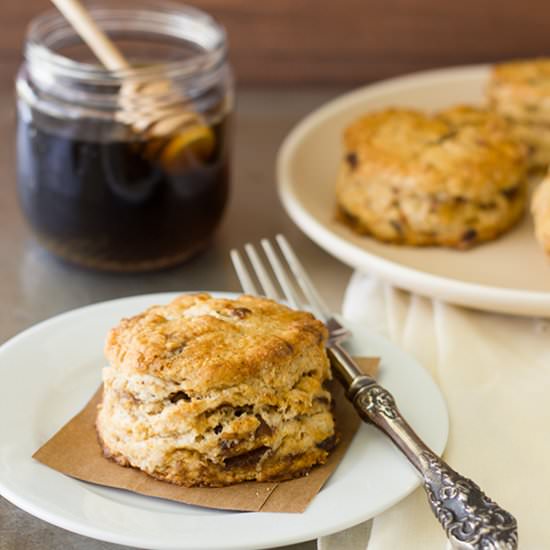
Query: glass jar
x=125, y=170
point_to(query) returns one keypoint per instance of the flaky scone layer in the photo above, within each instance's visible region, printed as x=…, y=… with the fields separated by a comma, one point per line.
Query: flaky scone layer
x=454, y=178
x=211, y=343
x=208, y=391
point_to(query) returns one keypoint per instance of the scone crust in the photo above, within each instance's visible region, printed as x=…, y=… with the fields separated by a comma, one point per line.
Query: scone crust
x=213, y=343
x=454, y=178
x=211, y=391
x=521, y=89
x=537, y=139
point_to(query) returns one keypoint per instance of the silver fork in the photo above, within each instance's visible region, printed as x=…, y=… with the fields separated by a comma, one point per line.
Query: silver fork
x=470, y=519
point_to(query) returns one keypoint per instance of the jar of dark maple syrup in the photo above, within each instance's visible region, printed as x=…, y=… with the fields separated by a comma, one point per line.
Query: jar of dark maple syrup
x=99, y=183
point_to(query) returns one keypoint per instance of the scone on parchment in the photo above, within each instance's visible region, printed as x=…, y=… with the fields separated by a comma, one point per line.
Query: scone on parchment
x=540, y=208
x=454, y=178
x=520, y=90
x=211, y=391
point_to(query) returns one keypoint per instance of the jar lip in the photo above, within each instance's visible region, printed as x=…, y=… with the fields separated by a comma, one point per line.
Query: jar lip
x=158, y=17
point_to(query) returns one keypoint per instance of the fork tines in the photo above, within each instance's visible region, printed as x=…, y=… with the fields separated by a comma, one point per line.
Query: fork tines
x=286, y=269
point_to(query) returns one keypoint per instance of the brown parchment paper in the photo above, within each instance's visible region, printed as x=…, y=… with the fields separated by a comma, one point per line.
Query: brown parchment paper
x=74, y=450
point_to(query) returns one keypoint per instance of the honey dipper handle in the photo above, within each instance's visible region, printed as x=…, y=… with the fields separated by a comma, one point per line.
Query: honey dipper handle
x=102, y=46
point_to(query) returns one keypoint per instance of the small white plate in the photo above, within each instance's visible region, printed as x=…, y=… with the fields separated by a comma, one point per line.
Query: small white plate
x=49, y=372
x=510, y=275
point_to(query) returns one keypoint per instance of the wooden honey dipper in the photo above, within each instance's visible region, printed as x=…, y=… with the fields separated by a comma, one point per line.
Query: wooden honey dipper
x=169, y=122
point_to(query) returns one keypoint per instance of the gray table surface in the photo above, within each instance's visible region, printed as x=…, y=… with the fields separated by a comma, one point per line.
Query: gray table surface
x=34, y=286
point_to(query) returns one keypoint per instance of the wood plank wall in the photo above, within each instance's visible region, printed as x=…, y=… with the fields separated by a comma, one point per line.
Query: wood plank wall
x=345, y=42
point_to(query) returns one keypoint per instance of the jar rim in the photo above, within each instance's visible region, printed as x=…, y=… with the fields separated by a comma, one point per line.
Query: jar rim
x=159, y=17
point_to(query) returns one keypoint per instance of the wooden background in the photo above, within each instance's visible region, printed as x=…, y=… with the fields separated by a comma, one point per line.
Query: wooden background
x=344, y=42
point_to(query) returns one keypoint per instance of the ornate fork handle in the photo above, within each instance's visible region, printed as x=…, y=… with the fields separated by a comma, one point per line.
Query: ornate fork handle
x=470, y=519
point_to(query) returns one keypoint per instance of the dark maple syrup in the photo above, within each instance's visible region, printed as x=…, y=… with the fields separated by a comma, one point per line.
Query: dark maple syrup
x=112, y=205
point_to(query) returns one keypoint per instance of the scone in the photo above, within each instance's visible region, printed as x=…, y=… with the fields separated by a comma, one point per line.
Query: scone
x=540, y=208
x=537, y=139
x=454, y=178
x=520, y=90
x=211, y=391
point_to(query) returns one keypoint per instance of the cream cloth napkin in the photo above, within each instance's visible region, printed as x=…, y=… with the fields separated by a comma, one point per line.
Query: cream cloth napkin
x=494, y=371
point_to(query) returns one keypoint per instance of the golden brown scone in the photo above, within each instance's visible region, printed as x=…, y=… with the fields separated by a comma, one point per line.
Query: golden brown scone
x=455, y=178
x=520, y=91
x=537, y=139
x=213, y=391
x=540, y=208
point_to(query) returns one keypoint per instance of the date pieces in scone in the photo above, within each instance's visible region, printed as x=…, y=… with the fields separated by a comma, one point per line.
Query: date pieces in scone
x=540, y=208
x=520, y=91
x=455, y=178
x=211, y=391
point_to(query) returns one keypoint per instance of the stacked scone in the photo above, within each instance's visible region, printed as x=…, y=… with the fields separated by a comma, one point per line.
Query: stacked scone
x=520, y=91
x=211, y=391
x=454, y=178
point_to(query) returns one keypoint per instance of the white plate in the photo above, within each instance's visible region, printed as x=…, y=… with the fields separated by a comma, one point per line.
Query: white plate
x=510, y=275
x=50, y=371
